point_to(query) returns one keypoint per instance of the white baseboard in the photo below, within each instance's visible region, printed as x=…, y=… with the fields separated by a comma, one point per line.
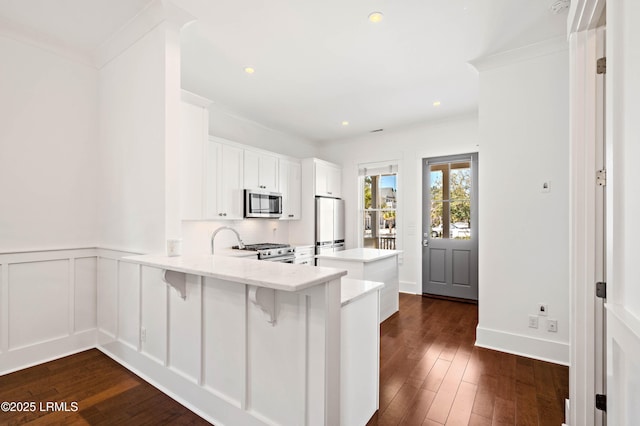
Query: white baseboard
x=517, y=344
x=39, y=353
x=410, y=287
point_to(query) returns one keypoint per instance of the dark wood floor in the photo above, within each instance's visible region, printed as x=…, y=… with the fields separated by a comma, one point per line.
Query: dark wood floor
x=106, y=394
x=430, y=374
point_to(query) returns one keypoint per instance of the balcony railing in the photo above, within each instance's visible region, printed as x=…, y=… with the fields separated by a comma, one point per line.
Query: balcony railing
x=388, y=243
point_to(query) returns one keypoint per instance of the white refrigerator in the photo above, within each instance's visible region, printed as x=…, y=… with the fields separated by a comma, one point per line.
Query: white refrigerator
x=329, y=225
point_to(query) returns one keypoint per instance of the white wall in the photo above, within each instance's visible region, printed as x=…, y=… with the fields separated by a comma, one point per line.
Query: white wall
x=238, y=129
x=524, y=243
x=132, y=147
x=48, y=146
x=409, y=146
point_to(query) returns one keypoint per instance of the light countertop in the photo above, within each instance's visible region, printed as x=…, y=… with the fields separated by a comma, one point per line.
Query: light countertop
x=236, y=253
x=275, y=275
x=362, y=255
x=352, y=290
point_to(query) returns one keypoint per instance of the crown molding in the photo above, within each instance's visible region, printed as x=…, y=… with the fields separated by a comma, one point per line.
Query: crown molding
x=155, y=14
x=11, y=30
x=543, y=48
x=194, y=99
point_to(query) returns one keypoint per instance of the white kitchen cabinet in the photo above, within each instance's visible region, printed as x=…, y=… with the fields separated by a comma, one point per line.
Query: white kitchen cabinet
x=224, y=189
x=260, y=171
x=194, y=129
x=328, y=179
x=290, y=185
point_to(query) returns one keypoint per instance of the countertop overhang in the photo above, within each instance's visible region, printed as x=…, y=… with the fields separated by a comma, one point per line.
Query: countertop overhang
x=362, y=255
x=259, y=273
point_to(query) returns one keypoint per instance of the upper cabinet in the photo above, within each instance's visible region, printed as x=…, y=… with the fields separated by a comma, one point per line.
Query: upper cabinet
x=328, y=179
x=224, y=194
x=260, y=171
x=215, y=171
x=290, y=186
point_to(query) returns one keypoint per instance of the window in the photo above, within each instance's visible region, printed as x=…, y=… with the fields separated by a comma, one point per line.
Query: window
x=379, y=189
x=451, y=200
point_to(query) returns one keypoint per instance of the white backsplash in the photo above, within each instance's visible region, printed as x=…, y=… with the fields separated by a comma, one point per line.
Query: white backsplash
x=196, y=235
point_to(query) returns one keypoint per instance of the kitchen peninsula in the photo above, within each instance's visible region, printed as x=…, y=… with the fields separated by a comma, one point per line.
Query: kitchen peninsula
x=238, y=341
x=370, y=264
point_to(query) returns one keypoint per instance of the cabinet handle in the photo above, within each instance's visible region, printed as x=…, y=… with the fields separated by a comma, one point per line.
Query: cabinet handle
x=329, y=192
x=224, y=214
x=219, y=214
x=291, y=215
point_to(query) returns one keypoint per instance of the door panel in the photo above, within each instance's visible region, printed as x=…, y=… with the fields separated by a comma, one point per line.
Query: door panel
x=461, y=267
x=450, y=231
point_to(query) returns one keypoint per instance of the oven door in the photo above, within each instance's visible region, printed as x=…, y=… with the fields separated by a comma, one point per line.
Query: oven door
x=281, y=259
x=262, y=204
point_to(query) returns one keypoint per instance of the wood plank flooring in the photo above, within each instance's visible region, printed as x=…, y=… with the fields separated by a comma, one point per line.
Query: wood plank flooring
x=106, y=394
x=432, y=374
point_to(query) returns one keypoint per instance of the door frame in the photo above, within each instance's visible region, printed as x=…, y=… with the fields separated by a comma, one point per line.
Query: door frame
x=584, y=17
x=474, y=157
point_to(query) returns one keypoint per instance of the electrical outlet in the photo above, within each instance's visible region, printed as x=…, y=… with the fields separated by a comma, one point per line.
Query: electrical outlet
x=533, y=321
x=552, y=325
x=543, y=308
x=143, y=334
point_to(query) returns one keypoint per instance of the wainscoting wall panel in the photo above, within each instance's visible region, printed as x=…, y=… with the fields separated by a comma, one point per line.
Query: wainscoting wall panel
x=129, y=304
x=85, y=295
x=38, y=302
x=47, y=305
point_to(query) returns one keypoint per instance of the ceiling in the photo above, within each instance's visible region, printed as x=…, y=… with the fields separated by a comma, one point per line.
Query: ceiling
x=319, y=63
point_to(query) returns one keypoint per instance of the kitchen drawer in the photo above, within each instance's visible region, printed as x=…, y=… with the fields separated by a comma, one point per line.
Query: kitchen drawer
x=304, y=251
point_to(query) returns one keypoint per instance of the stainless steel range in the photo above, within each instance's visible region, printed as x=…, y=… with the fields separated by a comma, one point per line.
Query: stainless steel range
x=272, y=252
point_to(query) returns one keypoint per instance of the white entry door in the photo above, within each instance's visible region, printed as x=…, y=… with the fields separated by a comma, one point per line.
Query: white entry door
x=450, y=226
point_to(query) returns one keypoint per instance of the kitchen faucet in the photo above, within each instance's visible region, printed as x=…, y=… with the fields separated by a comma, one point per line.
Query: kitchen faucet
x=213, y=236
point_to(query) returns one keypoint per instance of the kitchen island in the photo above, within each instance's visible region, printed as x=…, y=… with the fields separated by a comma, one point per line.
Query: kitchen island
x=370, y=264
x=237, y=341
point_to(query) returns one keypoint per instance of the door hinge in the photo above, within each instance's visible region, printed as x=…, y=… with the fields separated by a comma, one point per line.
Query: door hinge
x=601, y=66
x=601, y=402
x=601, y=177
x=601, y=290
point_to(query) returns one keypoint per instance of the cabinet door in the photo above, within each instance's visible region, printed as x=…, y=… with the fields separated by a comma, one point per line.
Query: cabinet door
x=334, y=184
x=193, y=134
x=321, y=179
x=328, y=180
x=269, y=172
x=260, y=171
x=290, y=187
x=210, y=196
x=230, y=182
x=251, y=169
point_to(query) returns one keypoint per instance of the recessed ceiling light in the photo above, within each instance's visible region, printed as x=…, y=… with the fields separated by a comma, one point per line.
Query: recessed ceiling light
x=375, y=17
x=345, y=123
x=249, y=70
x=436, y=103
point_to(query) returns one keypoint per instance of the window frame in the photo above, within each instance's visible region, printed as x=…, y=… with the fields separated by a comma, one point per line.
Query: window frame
x=378, y=169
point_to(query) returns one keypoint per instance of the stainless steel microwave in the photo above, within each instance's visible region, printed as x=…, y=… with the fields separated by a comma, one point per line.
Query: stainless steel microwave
x=262, y=204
